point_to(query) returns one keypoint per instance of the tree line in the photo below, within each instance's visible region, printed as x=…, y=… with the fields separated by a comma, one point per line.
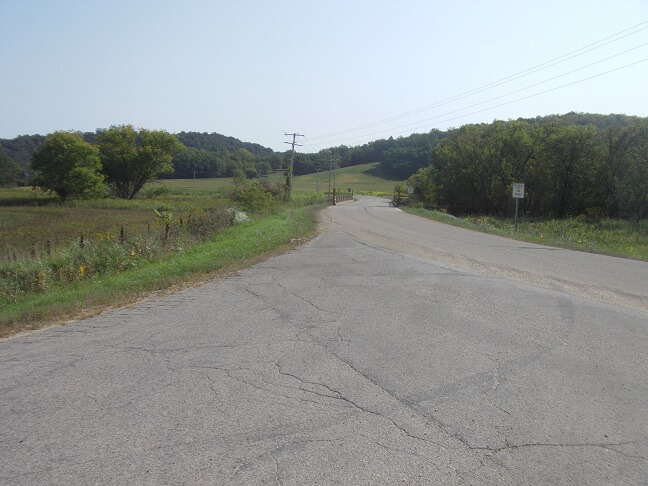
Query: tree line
x=577, y=163
x=206, y=155
x=569, y=169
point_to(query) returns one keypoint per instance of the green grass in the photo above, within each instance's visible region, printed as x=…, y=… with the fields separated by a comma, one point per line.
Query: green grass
x=20, y=196
x=606, y=236
x=227, y=249
x=360, y=178
x=40, y=286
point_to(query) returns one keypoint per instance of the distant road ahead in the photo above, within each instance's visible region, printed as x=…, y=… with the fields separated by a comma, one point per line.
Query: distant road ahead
x=615, y=280
x=389, y=350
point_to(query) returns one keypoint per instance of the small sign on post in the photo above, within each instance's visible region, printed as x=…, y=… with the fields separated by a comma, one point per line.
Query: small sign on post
x=518, y=193
x=518, y=190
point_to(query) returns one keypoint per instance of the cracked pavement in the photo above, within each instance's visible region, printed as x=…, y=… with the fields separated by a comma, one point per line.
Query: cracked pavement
x=388, y=350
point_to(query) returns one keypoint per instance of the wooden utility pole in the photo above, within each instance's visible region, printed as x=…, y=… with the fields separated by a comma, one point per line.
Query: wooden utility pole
x=292, y=160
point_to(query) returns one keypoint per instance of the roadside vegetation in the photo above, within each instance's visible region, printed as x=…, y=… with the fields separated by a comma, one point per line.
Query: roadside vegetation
x=111, y=208
x=606, y=236
x=70, y=258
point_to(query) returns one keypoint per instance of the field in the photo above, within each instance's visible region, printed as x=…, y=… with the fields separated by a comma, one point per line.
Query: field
x=60, y=259
x=29, y=219
x=359, y=178
x=27, y=228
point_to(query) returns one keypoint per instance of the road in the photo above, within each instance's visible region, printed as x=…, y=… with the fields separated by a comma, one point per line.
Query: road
x=388, y=350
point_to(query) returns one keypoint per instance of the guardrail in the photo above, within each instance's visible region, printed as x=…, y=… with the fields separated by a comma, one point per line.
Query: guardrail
x=338, y=198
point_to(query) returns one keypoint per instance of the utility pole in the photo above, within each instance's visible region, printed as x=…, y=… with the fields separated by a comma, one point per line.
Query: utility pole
x=292, y=160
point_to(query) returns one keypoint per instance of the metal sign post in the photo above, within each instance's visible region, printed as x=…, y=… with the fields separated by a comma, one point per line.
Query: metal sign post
x=518, y=193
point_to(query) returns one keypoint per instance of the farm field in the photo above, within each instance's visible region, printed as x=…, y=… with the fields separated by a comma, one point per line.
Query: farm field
x=359, y=178
x=58, y=259
x=29, y=218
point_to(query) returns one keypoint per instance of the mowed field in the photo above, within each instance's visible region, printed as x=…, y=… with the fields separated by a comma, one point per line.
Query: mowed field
x=359, y=178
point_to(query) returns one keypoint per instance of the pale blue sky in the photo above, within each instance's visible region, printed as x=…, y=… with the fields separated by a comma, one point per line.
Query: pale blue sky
x=255, y=69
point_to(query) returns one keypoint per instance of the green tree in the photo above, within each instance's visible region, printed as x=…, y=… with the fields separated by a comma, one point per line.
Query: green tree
x=68, y=166
x=619, y=147
x=239, y=179
x=131, y=158
x=574, y=169
x=424, y=185
x=9, y=170
x=633, y=181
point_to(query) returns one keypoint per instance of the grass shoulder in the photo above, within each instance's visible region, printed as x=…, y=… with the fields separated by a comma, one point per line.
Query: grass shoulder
x=605, y=236
x=233, y=248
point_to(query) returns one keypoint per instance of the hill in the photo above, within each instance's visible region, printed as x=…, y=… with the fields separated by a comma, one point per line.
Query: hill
x=206, y=150
x=359, y=178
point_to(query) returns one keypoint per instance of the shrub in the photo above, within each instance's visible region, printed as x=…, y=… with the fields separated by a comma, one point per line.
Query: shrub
x=206, y=223
x=255, y=199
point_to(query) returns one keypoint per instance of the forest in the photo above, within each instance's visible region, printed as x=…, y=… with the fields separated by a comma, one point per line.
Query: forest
x=572, y=164
x=569, y=169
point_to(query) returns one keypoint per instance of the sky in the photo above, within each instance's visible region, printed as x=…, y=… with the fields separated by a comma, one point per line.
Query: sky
x=338, y=72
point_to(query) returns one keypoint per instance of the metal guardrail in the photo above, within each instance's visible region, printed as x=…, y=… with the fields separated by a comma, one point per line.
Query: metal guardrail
x=337, y=198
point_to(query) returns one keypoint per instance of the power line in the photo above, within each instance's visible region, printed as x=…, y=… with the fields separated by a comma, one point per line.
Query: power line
x=507, y=79
x=389, y=130
x=506, y=103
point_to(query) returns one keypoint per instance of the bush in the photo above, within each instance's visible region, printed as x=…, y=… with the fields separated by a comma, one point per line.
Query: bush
x=207, y=223
x=255, y=199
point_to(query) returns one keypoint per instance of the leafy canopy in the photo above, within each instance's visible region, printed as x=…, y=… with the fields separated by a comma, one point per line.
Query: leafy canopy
x=131, y=158
x=9, y=169
x=68, y=167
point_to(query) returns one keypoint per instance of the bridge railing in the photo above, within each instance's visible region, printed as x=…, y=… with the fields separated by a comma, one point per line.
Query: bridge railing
x=338, y=198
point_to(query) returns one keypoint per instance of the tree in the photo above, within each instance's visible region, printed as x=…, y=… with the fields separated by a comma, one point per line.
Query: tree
x=574, y=169
x=239, y=179
x=424, y=185
x=633, y=182
x=620, y=144
x=9, y=170
x=68, y=166
x=131, y=158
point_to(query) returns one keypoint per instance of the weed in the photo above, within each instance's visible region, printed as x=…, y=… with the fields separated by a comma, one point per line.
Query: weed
x=596, y=235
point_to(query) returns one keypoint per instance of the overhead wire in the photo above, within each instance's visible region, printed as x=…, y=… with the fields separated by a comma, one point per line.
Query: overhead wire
x=501, y=104
x=390, y=130
x=507, y=79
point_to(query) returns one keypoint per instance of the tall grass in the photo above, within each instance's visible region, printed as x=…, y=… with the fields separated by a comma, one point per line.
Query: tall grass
x=606, y=236
x=89, y=290
x=109, y=252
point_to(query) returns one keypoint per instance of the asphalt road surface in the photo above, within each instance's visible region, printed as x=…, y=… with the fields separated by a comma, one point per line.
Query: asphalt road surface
x=389, y=350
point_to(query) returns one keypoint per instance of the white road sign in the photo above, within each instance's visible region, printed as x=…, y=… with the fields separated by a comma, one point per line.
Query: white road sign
x=518, y=190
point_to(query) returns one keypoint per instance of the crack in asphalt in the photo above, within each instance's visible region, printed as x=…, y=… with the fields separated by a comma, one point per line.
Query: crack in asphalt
x=607, y=446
